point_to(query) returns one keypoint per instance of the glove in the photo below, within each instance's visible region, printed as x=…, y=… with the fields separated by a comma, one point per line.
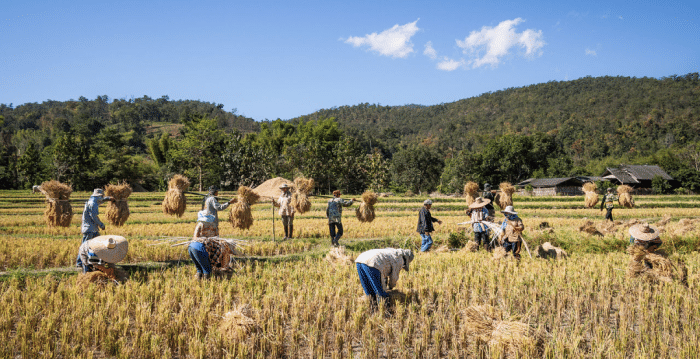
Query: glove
x=102, y=227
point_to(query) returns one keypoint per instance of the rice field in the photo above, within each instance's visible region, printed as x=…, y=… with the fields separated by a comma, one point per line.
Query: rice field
x=297, y=304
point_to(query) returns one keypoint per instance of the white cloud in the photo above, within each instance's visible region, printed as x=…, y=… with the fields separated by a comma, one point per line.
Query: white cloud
x=496, y=42
x=591, y=52
x=394, y=42
x=448, y=64
x=430, y=51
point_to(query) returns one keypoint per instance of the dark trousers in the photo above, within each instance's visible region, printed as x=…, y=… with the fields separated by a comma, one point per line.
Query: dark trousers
x=200, y=257
x=482, y=238
x=608, y=214
x=371, y=280
x=86, y=237
x=512, y=247
x=335, y=236
x=288, y=224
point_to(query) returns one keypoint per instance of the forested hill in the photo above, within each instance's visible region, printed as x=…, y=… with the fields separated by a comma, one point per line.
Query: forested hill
x=589, y=117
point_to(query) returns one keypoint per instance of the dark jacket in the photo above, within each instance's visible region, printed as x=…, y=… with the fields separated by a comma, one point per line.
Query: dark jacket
x=488, y=195
x=425, y=221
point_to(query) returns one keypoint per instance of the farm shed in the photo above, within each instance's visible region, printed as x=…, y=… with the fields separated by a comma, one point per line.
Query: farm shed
x=635, y=176
x=566, y=186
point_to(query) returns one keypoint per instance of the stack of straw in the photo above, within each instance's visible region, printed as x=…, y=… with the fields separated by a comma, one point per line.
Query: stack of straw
x=300, y=198
x=470, y=190
x=471, y=246
x=337, y=255
x=365, y=211
x=624, y=194
x=505, y=197
x=59, y=211
x=237, y=324
x=487, y=324
x=591, y=199
x=118, y=210
x=175, y=201
x=654, y=267
x=547, y=251
x=589, y=227
x=101, y=276
x=240, y=215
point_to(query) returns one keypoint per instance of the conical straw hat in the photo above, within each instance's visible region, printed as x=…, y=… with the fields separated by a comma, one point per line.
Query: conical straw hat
x=644, y=232
x=479, y=202
x=111, y=249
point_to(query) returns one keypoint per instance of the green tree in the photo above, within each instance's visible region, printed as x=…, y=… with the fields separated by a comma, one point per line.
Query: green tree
x=30, y=167
x=660, y=185
x=244, y=163
x=198, y=151
x=417, y=168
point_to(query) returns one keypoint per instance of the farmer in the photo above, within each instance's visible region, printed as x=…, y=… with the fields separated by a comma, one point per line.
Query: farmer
x=512, y=229
x=646, y=236
x=208, y=217
x=425, y=225
x=379, y=270
x=102, y=251
x=609, y=203
x=91, y=224
x=286, y=210
x=479, y=213
x=489, y=196
x=334, y=212
x=208, y=254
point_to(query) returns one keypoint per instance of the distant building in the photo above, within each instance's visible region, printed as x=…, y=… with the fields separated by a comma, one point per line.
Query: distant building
x=635, y=176
x=566, y=186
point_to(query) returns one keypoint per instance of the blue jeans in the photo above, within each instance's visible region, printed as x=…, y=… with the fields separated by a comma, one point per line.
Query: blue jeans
x=426, y=242
x=335, y=236
x=512, y=247
x=371, y=280
x=86, y=237
x=200, y=257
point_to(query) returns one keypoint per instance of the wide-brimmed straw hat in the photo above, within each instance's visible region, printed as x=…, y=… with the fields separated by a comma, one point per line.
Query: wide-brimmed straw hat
x=479, y=202
x=509, y=210
x=98, y=192
x=644, y=232
x=407, y=255
x=110, y=249
x=284, y=185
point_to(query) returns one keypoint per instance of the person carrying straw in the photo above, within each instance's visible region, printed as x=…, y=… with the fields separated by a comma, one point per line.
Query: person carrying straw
x=512, y=229
x=425, y=225
x=488, y=195
x=104, y=251
x=646, y=236
x=379, y=270
x=208, y=217
x=609, y=203
x=284, y=202
x=334, y=212
x=479, y=213
x=91, y=224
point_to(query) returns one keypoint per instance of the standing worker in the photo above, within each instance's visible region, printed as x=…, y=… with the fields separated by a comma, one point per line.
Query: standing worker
x=425, y=225
x=379, y=270
x=487, y=194
x=91, y=224
x=209, y=215
x=609, y=203
x=479, y=213
x=334, y=212
x=512, y=228
x=286, y=210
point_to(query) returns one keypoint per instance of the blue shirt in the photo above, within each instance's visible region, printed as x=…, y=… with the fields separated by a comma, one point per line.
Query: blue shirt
x=91, y=222
x=479, y=227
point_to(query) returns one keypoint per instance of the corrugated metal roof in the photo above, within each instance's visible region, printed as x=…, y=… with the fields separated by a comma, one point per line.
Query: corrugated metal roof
x=551, y=182
x=634, y=174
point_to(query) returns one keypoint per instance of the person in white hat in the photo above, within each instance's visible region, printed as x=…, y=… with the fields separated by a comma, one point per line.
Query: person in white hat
x=284, y=202
x=379, y=270
x=102, y=250
x=479, y=213
x=425, y=225
x=208, y=217
x=646, y=236
x=512, y=228
x=91, y=224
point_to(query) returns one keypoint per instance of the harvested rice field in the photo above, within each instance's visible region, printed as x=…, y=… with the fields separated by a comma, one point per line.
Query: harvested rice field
x=286, y=299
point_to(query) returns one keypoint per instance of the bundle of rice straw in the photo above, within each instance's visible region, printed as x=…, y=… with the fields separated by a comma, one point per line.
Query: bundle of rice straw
x=625, y=196
x=654, y=267
x=471, y=246
x=59, y=211
x=591, y=198
x=238, y=323
x=365, y=211
x=118, y=210
x=486, y=324
x=506, y=195
x=175, y=201
x=470, y=190
x=589, y=227
x=240, y=215
x=271, y=187
x=499, y=253
x=101, y=276
x=300, y=198
x=337, y=255
x=441, y=249
x=547, y=250
x=684, y=227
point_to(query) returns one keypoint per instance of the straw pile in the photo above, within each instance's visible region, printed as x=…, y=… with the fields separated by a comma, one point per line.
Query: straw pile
x=337, y=255
x=101, y=276
x=547, y=251
x=59, y=211
x=441, y=249
x=654, y=267
x=240, y=215
x=118, y=210
x=365, y=211
x=175, y=202
x=471, y=246
x=271, y=187
x=624, y=194
x=499, y=253
x=591, y=198
x=589, y=227
x=238, y=323
x=505, y=197
x=684, y=227
x=300, y=198
x=470, y=190
x=486, y=324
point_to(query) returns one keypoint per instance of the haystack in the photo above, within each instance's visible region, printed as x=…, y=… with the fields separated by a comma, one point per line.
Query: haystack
x=591, y=197
x=547, y=251
x=118, y=210
x=337, y=255
x=59, y=211
x=624, y=196
x=365, y=211
x=240, y=215
x=175, y=201
x=684, y=227
x=499, y=253
x=300, y=198
x=271, y=187
x=487, y=324
x=101, y=276
x=470, y=190
x=589, y=227
x=655, y=267
x=238, y=323
x=471, y=246
x=505, y=197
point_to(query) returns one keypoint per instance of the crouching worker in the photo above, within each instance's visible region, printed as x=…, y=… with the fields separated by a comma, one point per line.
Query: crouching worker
x=512, y=228
x=646, y=236
x=207, y=251
x=379, y=270
x=102, y=253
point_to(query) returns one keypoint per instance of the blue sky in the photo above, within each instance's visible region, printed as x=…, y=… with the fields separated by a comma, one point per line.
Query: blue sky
x=282, y=59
